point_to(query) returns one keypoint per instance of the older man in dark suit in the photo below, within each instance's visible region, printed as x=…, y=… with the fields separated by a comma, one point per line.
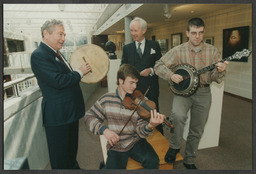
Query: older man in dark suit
x=143, y=54
x=62, y=104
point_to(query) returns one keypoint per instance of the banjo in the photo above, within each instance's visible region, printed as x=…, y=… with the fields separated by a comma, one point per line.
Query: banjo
x=190, y=75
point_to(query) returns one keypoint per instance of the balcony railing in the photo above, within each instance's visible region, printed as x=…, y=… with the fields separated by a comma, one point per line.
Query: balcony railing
x=26, y=80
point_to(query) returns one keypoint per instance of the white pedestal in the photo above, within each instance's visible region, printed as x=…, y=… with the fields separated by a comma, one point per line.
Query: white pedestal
x=210, y=137
x=112, y=74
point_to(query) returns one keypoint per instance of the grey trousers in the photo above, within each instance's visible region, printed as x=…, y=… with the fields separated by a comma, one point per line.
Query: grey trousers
x=199, y=105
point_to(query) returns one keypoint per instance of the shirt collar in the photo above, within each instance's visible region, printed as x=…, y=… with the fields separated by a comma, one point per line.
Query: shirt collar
x=117, y=94
x=49, y=46
x=142, y=42
x=197, y=50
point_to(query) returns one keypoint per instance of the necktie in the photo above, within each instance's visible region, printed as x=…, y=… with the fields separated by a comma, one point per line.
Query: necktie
x=139, y=50
x=60, y=56
x=64, y=61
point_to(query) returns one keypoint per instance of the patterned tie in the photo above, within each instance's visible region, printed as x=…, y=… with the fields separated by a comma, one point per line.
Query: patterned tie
x=139, y=50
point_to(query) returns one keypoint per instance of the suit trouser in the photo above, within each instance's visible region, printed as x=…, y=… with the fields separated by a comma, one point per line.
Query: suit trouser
x=199, y=105
x=142, y=152
x=63, y=144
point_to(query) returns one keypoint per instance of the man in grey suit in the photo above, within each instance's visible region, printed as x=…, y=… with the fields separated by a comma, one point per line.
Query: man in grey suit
x=143, y=54
x=62, y=104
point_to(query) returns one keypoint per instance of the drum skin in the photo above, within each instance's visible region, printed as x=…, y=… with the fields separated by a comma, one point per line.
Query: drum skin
x=97, y=59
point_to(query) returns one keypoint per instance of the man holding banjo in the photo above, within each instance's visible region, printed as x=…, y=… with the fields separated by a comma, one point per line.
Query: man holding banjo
x=198, y=54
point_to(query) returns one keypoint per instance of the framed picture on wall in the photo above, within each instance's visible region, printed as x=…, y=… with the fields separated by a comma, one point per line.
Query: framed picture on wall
x=176, y=39
x=163, y=45
x=235, y=39
x=209, y=40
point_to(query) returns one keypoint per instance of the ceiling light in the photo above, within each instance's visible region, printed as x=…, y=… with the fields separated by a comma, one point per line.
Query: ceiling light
x=166, y=8
x=167, y=14
x=61, y=7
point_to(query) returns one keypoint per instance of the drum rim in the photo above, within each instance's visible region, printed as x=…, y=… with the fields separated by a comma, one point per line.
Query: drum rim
x=83, y=79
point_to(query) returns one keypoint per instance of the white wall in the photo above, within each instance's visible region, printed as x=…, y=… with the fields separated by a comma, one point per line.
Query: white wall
x=24, y=135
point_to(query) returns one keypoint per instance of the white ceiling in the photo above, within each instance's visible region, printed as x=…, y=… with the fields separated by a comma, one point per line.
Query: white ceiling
x=81, y=18
x=27, y=18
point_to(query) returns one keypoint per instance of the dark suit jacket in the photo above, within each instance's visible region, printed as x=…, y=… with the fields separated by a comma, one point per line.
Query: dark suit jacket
x=62, y=96
x=152, y=53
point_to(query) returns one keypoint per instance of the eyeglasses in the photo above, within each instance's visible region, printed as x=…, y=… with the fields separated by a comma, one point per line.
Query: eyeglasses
x=200, y=33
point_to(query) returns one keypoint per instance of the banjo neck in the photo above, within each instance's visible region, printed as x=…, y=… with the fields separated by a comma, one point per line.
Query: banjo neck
x=237, y=55
x=190, y=75
x=211, y=67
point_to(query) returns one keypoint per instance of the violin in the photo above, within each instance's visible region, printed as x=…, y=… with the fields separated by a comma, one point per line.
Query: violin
x=137, y=102
x=142, y=105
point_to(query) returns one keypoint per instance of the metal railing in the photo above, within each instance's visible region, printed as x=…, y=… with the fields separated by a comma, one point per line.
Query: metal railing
x=14, y=83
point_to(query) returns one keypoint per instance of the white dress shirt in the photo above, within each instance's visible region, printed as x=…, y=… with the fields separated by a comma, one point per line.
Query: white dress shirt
x=142, y=47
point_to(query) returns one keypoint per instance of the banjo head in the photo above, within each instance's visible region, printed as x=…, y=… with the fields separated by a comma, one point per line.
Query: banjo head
x=190, y=83
x=97, y=59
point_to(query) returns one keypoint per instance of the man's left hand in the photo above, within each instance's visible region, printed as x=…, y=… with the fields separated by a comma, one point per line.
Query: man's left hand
x=145, y=72
x=221, y=66
x=156, y=119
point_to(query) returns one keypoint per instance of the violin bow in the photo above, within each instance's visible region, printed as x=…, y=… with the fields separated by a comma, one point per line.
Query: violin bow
x=132, y=114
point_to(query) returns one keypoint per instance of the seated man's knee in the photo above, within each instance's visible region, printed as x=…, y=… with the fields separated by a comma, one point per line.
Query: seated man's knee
x=151, y=162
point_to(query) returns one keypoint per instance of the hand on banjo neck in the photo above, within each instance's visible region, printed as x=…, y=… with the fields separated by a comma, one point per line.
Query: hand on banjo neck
x=186, y=77
x=221, y=66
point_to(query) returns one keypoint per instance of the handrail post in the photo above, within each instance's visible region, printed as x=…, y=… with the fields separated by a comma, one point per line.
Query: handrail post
x=15, y=83
x=16, y=90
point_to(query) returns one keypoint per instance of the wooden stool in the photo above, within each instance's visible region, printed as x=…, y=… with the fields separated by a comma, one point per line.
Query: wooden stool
x=157, y=141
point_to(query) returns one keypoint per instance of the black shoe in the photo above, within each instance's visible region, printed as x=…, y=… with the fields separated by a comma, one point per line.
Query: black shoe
x=190, y=166
x=170, y=156
x=102, y=165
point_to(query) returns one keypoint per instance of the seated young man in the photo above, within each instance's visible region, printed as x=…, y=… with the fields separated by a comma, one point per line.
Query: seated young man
x=131, y=142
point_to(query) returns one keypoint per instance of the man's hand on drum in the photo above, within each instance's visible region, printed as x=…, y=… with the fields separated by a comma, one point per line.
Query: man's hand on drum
x=85, y=68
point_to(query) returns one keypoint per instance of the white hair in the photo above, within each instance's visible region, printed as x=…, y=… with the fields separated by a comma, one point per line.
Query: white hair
x=143, y=23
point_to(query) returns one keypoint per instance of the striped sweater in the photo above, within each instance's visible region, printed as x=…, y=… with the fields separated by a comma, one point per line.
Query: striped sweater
x=109, y=107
